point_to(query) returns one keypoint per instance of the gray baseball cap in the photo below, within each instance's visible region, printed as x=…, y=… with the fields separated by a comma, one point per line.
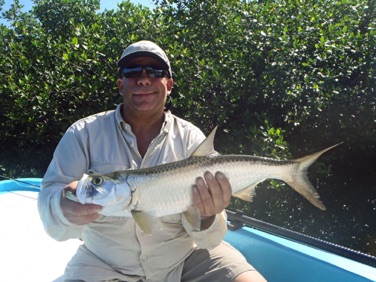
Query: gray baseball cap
x=145, y=48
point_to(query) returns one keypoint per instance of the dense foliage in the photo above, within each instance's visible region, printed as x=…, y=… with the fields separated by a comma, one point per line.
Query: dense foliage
x=281, y=78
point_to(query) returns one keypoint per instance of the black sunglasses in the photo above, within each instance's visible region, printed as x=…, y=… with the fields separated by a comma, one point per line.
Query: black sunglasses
x=136, y=72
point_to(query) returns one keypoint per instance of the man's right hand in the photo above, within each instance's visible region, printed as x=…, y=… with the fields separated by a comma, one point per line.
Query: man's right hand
x=75, y=212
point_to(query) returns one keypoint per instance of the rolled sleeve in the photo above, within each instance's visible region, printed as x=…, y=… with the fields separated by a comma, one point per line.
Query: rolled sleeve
x=210, y=237
x=55, y=224
x=68, y=164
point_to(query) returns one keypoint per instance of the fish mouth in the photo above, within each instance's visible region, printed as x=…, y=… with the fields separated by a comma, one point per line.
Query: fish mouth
x=84, y=189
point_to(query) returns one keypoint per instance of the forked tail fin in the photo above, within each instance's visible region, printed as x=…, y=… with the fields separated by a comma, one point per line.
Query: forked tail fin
x=299, y=180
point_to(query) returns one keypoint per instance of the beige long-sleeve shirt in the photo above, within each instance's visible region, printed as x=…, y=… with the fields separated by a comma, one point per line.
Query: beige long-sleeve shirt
x=104, y=143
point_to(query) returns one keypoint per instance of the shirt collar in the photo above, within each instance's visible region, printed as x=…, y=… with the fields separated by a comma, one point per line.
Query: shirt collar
x=119, y=119
x=168, y=122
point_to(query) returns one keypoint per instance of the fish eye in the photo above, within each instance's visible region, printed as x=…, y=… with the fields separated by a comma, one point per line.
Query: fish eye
x=97, y=180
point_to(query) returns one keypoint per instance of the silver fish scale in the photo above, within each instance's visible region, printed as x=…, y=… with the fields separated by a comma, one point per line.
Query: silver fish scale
x=167, y=189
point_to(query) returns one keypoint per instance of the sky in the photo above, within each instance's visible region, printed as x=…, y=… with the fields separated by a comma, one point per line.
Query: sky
x=105, y=4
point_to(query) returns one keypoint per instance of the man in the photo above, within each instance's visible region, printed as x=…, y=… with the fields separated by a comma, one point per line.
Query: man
x=138, y=134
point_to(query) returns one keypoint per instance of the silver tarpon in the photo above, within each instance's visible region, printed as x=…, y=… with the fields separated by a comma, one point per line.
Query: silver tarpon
x=167, y=189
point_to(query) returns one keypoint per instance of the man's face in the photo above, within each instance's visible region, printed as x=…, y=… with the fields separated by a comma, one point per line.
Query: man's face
x=144, y=93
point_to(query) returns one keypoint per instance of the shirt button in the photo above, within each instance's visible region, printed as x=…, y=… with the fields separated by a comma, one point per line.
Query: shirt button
x=144, y=258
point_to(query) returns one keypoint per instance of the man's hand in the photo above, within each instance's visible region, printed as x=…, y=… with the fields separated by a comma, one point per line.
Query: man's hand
x=75, y=212
x=212, y=197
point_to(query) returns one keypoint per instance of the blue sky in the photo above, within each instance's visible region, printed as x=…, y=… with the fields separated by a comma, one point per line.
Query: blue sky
x=108, y=4
x=105, y=4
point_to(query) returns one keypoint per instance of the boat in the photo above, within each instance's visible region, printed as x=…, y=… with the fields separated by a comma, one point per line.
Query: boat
x=279, y=254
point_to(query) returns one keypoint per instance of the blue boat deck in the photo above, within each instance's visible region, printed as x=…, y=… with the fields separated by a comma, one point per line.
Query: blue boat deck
x=280, y=259
x=276, y=257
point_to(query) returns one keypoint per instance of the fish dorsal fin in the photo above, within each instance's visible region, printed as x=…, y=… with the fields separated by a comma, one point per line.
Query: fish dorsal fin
x=192, y=215
x=145, y=220
x=247, y=193
x=207, y=146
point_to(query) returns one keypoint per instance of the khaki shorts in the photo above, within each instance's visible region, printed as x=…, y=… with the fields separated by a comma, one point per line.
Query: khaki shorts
x=220, y=264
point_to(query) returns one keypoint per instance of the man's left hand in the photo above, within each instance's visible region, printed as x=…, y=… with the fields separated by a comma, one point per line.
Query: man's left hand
x=211, y=196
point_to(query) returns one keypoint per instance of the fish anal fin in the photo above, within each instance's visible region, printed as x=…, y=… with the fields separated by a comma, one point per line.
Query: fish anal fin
x=247, y=193
x=207, y=146
x=192, y=215
x=145, y=220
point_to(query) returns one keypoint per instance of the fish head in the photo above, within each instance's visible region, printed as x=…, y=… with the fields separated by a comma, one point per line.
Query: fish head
x=92, y=188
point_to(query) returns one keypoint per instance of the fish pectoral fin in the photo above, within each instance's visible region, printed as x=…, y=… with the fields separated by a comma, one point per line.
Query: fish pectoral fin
x=192, y=215
x=206, y=148
x=145, y=220
x=247, y=193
